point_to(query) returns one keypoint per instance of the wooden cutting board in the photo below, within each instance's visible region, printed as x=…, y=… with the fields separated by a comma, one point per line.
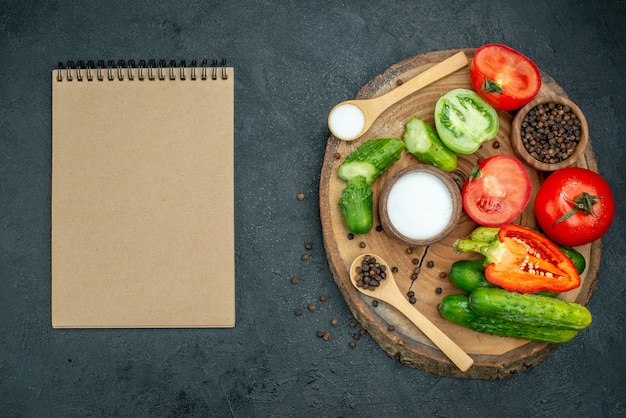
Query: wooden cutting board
x=494, y=357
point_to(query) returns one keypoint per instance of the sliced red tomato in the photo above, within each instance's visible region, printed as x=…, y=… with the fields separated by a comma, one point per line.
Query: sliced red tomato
x=574, y=206
x=497, y=191
x=504, y=77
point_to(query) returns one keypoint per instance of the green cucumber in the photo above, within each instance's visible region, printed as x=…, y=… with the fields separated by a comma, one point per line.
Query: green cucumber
x=468, y=275
x=534, y=310
x=456, y=309
x=356, y=205
x=421, y=140
x=577, y=258
x=371, y=159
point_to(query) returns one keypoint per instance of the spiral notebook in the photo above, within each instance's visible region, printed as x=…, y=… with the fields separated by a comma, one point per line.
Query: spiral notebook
x=142, y=195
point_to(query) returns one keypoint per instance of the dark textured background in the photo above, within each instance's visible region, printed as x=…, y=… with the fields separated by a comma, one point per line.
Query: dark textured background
x=293, y=62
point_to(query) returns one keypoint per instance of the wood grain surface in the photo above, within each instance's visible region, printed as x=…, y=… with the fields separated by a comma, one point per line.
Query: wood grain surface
x=494, y=357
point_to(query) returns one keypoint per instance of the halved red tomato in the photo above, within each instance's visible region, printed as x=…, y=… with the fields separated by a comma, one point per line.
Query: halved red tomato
x=504, y=77
x=497, y=191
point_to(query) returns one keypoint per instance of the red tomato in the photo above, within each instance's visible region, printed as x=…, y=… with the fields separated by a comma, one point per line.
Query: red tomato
x=574, y=206
x=504, y=77
x=497, y=191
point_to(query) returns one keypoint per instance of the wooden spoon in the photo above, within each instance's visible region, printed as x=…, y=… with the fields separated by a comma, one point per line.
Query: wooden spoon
x=389, y=292
x=350, y=119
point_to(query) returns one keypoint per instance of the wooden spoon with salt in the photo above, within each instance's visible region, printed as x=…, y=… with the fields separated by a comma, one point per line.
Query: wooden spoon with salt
x=350, y=119
x=388, y=292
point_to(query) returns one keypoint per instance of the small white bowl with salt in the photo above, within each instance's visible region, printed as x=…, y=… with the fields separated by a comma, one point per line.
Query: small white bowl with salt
x=420, y=205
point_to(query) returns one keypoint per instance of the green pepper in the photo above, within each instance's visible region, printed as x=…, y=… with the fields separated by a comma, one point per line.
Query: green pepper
x=464, y=120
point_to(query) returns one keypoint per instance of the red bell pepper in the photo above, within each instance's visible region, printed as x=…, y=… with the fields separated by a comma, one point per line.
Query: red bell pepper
x=522, y=260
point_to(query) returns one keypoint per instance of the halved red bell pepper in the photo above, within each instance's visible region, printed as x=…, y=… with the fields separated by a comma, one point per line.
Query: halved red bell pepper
x=522, y=260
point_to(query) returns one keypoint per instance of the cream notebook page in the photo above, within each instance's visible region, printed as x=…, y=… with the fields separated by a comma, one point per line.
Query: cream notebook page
x=143, y=200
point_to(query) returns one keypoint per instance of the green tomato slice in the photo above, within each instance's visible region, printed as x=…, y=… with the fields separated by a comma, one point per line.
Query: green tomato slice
x=464, y=120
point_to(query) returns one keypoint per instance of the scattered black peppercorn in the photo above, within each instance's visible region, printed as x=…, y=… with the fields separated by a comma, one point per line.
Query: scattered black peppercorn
x=412, y=300
x=390, y=327
x=308, y=246
x=350, y=236
x=430, y=264
x=443, y=275
x=379, y=228
x=325, y=335
x=496, y=144
x=374, y=303
x=438, y=290
x=298, y=312
x=362, y=244
x=394, y=269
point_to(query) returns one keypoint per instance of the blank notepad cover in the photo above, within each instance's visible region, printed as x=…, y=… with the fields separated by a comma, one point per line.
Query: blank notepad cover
x=143, y=201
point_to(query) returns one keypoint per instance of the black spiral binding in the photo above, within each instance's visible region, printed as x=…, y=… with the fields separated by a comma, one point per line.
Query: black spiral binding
x=124, y=70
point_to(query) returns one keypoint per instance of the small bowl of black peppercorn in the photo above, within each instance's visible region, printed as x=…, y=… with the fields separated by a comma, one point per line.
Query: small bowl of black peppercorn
x=549, y=133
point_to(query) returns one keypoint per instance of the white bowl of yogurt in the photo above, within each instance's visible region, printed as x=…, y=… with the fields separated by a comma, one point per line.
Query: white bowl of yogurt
x=420, y=205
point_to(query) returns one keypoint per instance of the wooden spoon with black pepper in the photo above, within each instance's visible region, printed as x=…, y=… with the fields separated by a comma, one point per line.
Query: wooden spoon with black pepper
x=384, y=287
